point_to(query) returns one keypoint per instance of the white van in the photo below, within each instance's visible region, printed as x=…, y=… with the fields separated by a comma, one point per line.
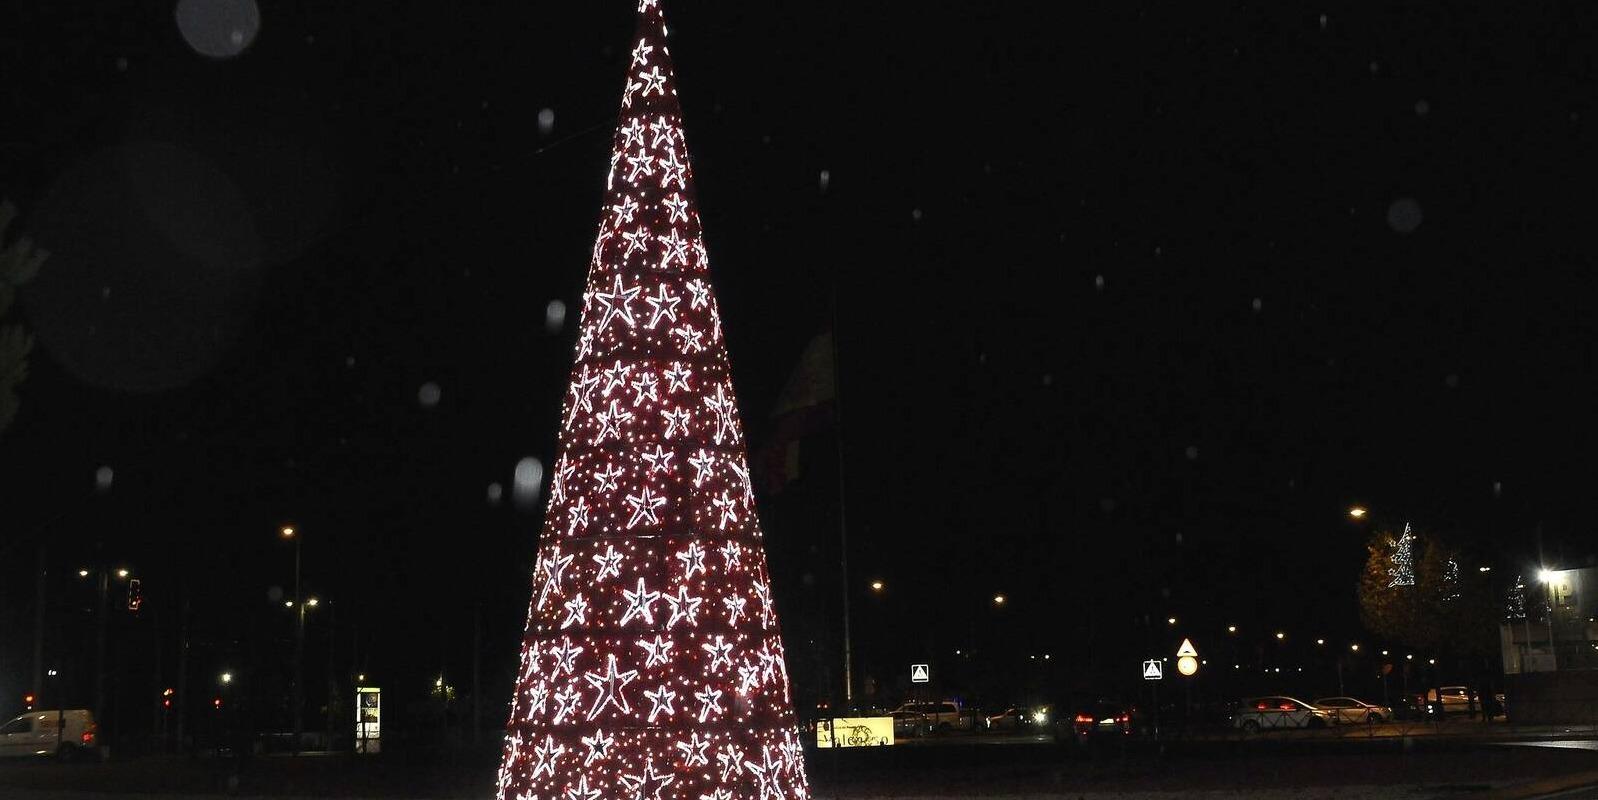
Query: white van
x=47, y=733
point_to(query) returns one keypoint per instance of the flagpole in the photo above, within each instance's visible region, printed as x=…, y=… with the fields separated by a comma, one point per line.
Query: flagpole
x=843, y=525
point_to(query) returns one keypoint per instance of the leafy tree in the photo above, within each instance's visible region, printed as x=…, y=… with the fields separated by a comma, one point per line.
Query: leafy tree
x=1413, y=592
x=19, y=262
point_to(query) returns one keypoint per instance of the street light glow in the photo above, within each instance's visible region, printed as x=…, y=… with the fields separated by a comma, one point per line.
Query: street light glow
x=288, y=603
x=876, y=586
x=1354, y=647
x=1320, y=641
x=1170, y=620
x=288, y=531
x=1280, y=636
x=312, y=602
x=1484, y=569
x=122, y=573
x=1545, y=575
x=998, y=599
x=1358, y=512
x=1231, y=629
x=227, y=677
x=83, y=573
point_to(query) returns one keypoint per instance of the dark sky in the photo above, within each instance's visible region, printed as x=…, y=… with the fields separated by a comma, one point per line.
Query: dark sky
x=1133, y=302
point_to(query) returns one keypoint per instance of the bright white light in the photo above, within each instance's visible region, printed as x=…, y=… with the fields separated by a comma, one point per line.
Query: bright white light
x=218, y=28
x=1545, y=575
x=227, y=677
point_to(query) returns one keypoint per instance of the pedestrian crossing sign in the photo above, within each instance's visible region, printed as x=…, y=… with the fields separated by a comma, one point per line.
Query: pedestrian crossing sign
x=919, y=673
x=1153, y=670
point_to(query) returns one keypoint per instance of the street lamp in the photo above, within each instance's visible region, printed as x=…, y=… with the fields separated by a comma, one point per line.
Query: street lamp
x=1280, y=636
x=122, y=573
x=227, y=677
x=1231, y=629
x=1357, y=512
x=998, y=599
x=1320, y=641
x=876, y=586
x=1355, y=648
x=1170, y=620
x=311, y=602
x=297, y=683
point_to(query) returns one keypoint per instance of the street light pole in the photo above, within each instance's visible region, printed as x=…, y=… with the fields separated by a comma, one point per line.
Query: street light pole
x=299, y=653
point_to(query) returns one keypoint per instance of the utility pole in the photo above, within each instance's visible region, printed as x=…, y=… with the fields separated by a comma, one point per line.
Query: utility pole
x=40, y=598
x=332, y=682
x=843, y=520
x=99, y=647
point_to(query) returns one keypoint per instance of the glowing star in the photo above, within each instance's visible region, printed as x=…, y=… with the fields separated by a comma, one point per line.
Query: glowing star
x=701, y=257
x=717, y=794
x=731, y=759
x=748, y=677
x=610, y=685
x=660, y=460
x=610, y=422
x=693, y=559
x=672, y=171
x=648, y=785
x=704, y=465
x=557, y=485
x=763, y=594
x=730, y=551
x=554, y=567
x=582, y=392
x=728, y=508
x=637, y=240
x=580, y=790
x=663, y=305
x=566, y=702
x=720, y=653
x=605, y=479
x=692, y=338
x=709, y=702
x=644, y=504
x=665, y=132
x=677, y=376
x=576, y=612
x=616, y=303
x=693, y=750
x=578, y=517
x=639, y=604
x=673, y=248
x=539, y=702
x=644, y=387
x=565, y=657
x=700, y=292
x=676, y=208
x=741, y=472
x=625, y=210
x=641, y=54
x=632, y=133
x=615, y=376
x=598, y=746
x=641, y=164
x=723, y=407
x=545, y=755
x=609, y=564
x=767, y=776
x=683, y=607
x=662, y=699
x=656, y=651
x=654, y=81
x=676, y=422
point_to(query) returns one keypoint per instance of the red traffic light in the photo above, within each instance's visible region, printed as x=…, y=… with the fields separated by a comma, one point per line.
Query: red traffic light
x=216, y=701
x=28, y=700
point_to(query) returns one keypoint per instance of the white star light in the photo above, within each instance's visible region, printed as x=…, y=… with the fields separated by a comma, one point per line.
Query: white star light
x=676, y=421
x=731, y=759
x=720, y=653
x=748, y=677
x=576, y=612
x=565, y=657
x=598, y=746
x=648, y=783
x=693, y=559
x=606, y=478
x=660, y=460
x=709, y=702
x=582, y=391
x=700, y=292
x=641, y=164
x=658, y=651
x=538, y=703
x=723, y=407
x=731, y=551
x=673, y=248
x=728, y=508
x=610, y=422
x=580, y=790
x=644, y=504
x=766, y=775
x=566, y=702
x=671, y=171
x=677, y=375
x=625, y=210
x=644, y=387
x=676, y=208
x=683, y=607
x=554, y=567
x=662, y=699
x=654, y=81
x=579, y=516
x=693, y=750
x=615, y=376
x=610, y=685
x=663, y=304
x=632, y=133
x=641, y=53
x=545, y=755
x=616, y=302
x=665, y=132
x=691, y=338
x=637, y=241
x=609, y=564
x=640, y=603
x=704, y=464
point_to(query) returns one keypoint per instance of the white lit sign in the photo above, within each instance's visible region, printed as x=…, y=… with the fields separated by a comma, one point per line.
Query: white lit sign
x=368, y=718
x=855, y=732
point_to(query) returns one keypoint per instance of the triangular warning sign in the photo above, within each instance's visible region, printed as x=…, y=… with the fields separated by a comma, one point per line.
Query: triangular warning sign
x=1152, y=671
x=1186, y=649
x=918, y=673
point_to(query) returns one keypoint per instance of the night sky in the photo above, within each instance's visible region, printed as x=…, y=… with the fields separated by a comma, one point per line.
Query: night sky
x=1132, y=305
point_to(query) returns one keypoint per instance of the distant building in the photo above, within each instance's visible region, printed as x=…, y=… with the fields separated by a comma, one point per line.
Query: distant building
x=1549, y=642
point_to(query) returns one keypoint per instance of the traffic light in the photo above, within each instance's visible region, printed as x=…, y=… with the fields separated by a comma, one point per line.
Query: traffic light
x=135, y=594
x=216, y=702
x=166, y=697
x=27, y=700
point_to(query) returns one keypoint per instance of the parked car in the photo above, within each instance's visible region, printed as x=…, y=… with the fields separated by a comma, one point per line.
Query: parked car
x=943, y=716
x=1454, y=700
x=1277, y=712
x=907, y=723
x=1084, y=723
x=1016, y=718
x=63, y=733
x=1349, y=710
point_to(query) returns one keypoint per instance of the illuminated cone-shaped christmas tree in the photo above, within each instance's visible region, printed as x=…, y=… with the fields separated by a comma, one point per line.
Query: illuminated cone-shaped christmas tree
x=652, y=665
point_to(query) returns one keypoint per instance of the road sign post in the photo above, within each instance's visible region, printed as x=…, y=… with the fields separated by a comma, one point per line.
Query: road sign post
x=920, y=673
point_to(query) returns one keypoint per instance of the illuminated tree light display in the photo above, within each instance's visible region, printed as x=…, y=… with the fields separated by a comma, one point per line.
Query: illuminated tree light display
x=651, y=666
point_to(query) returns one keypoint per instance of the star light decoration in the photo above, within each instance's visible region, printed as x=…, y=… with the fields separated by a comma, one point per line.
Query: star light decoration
x=652, y=665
